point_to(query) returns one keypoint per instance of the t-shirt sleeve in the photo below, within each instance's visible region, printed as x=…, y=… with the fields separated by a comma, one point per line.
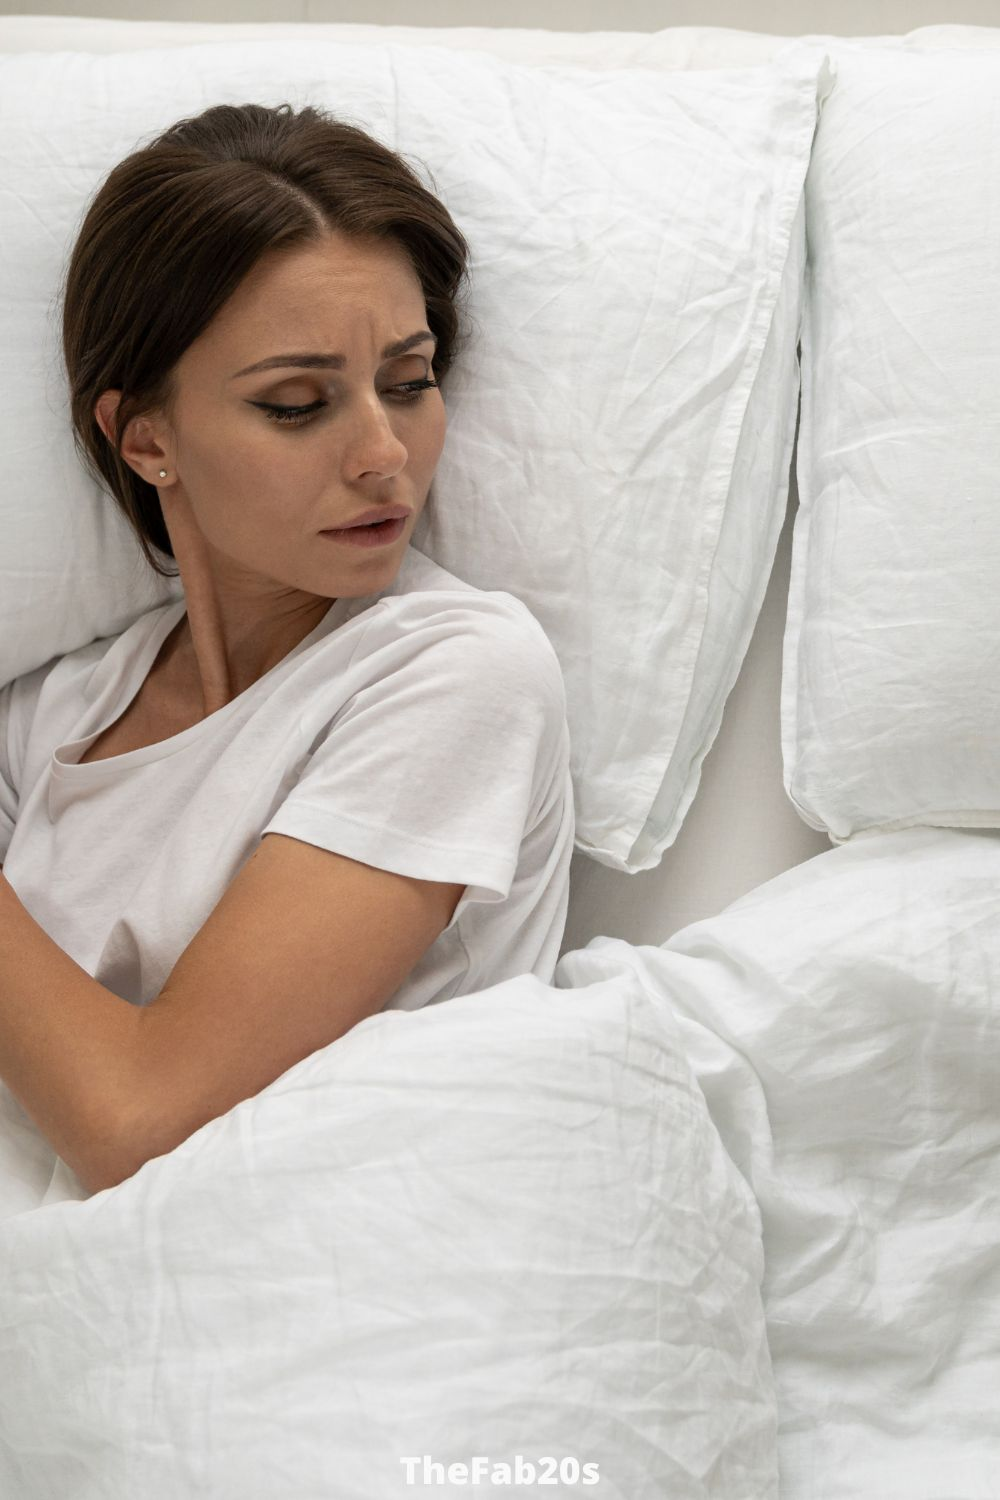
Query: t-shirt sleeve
x=439, y=764
x=8, y=791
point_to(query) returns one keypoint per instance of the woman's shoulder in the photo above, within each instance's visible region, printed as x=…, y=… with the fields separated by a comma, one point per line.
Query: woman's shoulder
x=68, y=675
x=85, y=661
x=426, y=593
x=445, y=638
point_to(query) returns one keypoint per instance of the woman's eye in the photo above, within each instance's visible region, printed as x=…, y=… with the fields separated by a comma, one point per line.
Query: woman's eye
x=297, y=416
x=293, y=415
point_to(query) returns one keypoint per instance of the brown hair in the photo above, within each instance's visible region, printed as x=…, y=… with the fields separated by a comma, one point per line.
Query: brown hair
x=176, y=226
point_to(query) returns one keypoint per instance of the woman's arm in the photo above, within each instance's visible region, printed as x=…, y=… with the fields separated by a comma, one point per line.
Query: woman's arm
x=303, y=945
x=68, y=1046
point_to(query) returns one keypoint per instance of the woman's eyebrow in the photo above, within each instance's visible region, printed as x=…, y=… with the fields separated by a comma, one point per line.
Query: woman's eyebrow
x=331, y=361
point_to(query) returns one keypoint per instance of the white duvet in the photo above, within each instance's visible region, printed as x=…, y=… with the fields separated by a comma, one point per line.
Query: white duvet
x=843, y=1021
x=565, y=1225
x=500, y=1228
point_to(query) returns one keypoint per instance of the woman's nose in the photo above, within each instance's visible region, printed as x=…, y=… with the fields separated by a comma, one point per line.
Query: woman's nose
x=375, y=443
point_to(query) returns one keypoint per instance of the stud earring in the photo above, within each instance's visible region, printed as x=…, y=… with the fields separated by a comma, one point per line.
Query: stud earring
x=163, y=473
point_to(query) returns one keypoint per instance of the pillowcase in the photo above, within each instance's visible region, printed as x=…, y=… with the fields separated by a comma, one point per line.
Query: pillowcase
x=503, y=1227
x=842, y=1022
x=620, y=425
x=890, y=695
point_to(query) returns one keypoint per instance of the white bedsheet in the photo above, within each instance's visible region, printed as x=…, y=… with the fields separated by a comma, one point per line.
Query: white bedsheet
x=843, y=1021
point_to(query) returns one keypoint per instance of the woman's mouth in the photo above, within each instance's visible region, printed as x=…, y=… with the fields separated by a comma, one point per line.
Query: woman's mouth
x=378, y=534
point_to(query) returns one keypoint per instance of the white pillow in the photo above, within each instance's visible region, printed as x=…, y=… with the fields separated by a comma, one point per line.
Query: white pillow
x=620, y=426
x=890, y=691
x=843, y=1023
x=500, y=1226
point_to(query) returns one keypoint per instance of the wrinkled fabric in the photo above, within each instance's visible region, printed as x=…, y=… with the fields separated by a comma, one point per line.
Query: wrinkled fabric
x=890, y=698
x=843, y=1021
x=501, y=1226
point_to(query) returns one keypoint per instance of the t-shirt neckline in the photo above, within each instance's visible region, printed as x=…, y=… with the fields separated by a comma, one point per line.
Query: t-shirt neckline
x=126, y=684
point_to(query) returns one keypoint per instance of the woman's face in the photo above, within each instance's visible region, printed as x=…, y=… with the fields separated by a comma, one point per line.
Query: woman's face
x=262, y=486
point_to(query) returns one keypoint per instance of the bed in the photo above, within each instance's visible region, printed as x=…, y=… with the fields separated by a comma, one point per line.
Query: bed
x=711, y=1211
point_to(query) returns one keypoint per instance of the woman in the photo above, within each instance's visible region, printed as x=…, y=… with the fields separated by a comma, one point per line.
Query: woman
x=332, y=778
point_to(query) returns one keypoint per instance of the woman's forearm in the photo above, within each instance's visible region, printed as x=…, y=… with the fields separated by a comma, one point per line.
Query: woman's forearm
x=67, y=1046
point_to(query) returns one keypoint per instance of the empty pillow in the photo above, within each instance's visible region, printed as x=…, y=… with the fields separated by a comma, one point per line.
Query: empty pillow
x=890, y=692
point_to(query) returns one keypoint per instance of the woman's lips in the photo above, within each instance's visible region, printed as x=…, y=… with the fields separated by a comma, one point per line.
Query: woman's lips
x=378, y=535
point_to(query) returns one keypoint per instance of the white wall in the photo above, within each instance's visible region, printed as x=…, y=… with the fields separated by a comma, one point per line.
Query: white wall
x=779, y=17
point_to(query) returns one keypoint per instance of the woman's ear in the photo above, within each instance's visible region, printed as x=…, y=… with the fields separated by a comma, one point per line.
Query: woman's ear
x=105, y=408
x=140, y=450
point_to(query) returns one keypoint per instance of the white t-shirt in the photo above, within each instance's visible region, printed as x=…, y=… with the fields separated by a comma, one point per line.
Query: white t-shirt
x=421, y=729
